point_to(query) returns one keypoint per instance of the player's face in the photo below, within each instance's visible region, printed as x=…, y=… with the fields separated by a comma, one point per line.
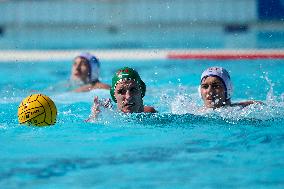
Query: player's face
x=129, y=97
x=80, y=70
x=213, y=92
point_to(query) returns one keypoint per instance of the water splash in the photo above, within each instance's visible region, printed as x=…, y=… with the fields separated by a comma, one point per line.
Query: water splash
x=272, y=110
x=183, y=104
x=270, y=98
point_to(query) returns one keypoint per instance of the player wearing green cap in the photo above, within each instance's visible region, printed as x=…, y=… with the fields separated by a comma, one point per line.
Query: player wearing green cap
x=127, y=91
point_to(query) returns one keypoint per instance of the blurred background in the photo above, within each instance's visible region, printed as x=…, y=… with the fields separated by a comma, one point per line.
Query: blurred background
x=146, y=24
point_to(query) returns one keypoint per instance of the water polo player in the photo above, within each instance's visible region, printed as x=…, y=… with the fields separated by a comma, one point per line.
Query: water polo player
x=216, y=89
x=85, y=70
x=127, y=91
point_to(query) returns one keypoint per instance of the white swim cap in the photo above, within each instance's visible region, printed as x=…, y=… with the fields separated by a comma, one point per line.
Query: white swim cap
x=223, y=75
x=94, y=65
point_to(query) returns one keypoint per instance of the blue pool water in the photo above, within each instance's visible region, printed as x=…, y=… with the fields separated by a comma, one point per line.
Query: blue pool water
x=175, y=148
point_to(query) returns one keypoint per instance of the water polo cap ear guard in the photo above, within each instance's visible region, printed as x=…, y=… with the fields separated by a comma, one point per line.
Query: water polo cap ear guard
x=126, y=73
x=223, y=75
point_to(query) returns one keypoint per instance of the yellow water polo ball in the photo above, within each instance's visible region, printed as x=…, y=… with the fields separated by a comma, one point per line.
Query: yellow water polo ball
x=37, y=110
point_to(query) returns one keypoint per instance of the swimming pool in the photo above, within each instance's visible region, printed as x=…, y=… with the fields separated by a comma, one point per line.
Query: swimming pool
x=172, y=149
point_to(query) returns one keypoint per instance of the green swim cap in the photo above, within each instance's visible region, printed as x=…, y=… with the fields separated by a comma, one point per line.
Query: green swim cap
x=126, y=73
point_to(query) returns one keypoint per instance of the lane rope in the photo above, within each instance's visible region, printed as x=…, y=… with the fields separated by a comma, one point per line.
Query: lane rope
x=140, y=54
